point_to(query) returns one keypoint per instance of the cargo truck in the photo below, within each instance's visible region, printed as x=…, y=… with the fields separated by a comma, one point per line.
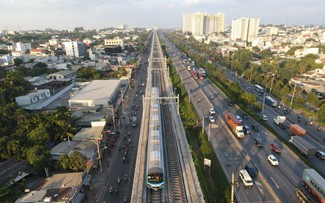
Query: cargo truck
x=295, y=129
x=235, y=125
x=280, y=120
x=314, y=185
x=302, y=145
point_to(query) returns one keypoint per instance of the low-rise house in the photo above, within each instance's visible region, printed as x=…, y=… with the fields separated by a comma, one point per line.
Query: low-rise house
x=65, y=187
x=33, y=98
x=63, y=75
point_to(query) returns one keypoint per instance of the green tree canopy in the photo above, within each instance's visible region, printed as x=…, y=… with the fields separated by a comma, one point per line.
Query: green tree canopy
x=39, y=157
x=77, y=161
x=321, y=114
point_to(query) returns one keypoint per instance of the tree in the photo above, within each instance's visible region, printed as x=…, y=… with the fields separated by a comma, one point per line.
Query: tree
x=321, y=114
x=65, y=162
x=77, y=161
x=299, y=99
x=312, y=98
x=38, y=135
x=39, y=157
x=18, y=62
x=266, y=53
x=248, y=97
x=256, y=49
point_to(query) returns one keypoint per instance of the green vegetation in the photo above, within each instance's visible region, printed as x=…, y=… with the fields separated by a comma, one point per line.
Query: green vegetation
x=214, y=184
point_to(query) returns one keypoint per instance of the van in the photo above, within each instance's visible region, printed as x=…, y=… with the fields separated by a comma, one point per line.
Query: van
x=252, y=171
x=246, y=178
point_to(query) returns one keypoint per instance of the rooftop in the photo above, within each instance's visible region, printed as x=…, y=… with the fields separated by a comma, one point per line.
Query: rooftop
x=97, y=90
x=58, y=188
x=86, y=148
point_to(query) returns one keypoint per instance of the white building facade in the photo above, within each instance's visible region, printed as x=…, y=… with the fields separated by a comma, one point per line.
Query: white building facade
x=244, y=29
x=203, y=24
x=76, y=49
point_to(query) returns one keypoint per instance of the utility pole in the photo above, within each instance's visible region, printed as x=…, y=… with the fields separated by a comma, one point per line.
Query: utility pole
x=272, y=81
x=234, y=160
x=293, y=95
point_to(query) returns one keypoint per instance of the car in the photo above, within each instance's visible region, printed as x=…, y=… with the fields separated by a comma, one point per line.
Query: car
x=245, y=116
x=140, y=91
x=259, y=142
x=136, y=107
x=239, y=118
x=273, y=161
x=247, y=130
x=212, y=111
x=211, y=119
x=264, y=117
x=256, y=128
x=252, y=171
x=275, y=147
x=231, y=103
x=212, y=96
x=320, y=155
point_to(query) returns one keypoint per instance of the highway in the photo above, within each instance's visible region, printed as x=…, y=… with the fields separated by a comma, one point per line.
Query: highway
x=273, y=184
x=313, y=136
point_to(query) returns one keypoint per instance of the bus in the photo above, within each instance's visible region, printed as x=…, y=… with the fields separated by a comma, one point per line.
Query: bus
x=270, y=101
x=259, y=89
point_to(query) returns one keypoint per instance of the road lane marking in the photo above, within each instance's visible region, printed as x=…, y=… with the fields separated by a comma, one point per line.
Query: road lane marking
x=275, y=183
x=260, y=188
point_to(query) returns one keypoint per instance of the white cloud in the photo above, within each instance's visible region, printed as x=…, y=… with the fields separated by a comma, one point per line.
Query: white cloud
x=192, y=2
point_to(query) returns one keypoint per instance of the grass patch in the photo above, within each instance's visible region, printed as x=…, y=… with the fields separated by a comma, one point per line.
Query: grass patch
x=214, y=184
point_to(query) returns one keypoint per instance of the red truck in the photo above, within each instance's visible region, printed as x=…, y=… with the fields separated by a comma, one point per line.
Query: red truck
x=235, y=125
x=295, y=129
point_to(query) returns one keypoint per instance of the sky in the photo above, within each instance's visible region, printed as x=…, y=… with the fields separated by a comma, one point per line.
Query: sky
x=97, y=14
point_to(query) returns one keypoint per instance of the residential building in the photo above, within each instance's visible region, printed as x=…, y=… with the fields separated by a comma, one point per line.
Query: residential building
x=187, y=22
x=33, y=97
x=22, y=47
x=64, y=187
x=37, y=52
x=6, y=60
x=214, y=23
x=112, y=43
x=271, y=30
x=244, y=29
x=74, y=48
x=53, y=42
x=203, y=24
x=62, y=75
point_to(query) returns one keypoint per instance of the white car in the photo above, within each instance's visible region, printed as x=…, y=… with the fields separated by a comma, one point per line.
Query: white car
x=273, y=160
x=211, y=119
x=264, y=117
x=212, y=111
x=239, y=118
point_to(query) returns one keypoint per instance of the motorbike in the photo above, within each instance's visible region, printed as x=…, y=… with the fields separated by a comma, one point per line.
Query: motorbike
x=110, y=189
x=118, y=180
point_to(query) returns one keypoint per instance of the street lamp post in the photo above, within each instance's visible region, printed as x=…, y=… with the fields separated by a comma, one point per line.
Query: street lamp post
x=100, y=158
x=267, y=77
